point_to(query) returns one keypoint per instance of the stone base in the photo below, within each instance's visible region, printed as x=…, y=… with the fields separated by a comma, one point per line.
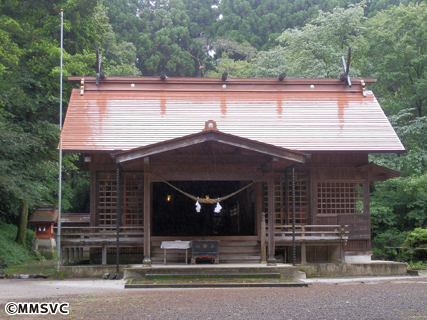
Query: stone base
x=372, y=268
x=46, y=247
x=358, y=258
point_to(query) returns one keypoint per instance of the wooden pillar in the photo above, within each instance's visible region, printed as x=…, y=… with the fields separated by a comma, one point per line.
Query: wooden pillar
x=263, y=246
x=271, y=261
x=93, y=195
x=367, y=205
x=258, y=209
x=147, y=213
x=67, y=256
x=72, y=258
x=104, y=255
x=118, y=214
x=293, y=217
x=81, y=253
x=342, y=251
x=303, y=253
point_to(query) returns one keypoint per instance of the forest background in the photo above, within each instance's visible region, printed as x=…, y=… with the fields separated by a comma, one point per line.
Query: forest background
x=245, y=38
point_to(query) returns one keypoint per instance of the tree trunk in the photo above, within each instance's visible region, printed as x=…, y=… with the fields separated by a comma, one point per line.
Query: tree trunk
x=22, y=227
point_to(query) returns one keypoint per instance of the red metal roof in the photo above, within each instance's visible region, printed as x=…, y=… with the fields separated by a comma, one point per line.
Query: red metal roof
x=298, y=114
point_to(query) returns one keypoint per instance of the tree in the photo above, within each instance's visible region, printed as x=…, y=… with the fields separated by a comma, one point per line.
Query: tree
x=234, y=68
x=160, y=32
x=29, y=96
x=316, y=49
x=397, y=49
x=260, y=22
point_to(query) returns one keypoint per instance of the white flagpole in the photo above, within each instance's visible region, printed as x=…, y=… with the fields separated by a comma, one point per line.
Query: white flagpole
x=58, y=242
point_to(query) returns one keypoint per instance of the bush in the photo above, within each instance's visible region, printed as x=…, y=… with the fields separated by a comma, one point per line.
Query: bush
x=417, y=241
x=389, y=238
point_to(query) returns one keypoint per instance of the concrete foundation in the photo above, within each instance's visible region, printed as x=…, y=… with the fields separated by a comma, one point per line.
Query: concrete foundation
x=372, y=268
x=46, y=247
x=358, y=258
x=286, y=271
x=90, y=271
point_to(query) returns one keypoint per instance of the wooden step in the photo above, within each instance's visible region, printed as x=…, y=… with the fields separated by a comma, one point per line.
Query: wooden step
x=236, y=250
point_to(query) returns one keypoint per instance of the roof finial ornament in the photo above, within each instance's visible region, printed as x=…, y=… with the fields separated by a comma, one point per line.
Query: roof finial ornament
x=100, y=75
x=210, y=125
x=346, y=67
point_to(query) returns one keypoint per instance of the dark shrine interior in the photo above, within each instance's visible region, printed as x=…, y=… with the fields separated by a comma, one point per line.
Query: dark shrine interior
x=174, y=214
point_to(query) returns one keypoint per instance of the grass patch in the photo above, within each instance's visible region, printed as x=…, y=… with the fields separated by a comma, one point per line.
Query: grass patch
x=416, y=265
x=13, y=253
x=44, y=267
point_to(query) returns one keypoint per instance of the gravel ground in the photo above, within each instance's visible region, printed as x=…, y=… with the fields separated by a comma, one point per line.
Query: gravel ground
x=360, y=298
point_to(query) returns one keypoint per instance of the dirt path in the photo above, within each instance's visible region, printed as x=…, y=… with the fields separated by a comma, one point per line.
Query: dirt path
x=367, y=298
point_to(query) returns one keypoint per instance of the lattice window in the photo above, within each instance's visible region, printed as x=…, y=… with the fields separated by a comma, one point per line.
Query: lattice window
x=283, y=198
x=107, y=198
x=339, y=197
x=132, y=199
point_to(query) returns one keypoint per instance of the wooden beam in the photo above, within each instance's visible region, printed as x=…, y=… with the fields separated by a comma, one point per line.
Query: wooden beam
x=147, y=213
x=206, y=136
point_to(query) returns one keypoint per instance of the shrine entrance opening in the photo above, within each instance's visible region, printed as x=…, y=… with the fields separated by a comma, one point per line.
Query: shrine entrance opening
x=175, y=214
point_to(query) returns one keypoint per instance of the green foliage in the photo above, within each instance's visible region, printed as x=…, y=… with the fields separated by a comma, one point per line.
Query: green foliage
x=411, y=131
x=400, y=203
x=234, y=49
x=416, y=238
x=316, y=49
x=234, y=68
x=388, y=238
x=9, y=51
x=398, y=56
x=13, y=253
x=419, y=265
x=29, y=95
x=271, y=63
x=260, y=22
x=417, y=241
x=119, y=57
x=159, y=31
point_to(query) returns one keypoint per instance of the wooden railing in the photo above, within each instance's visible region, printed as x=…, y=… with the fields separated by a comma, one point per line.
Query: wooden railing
x=310, y=232
x=101, y=232
x=305, y=234
x=74, y=239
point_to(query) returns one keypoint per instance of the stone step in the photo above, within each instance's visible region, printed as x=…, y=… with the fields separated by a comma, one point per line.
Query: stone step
x=220, y=275
x=285, y=271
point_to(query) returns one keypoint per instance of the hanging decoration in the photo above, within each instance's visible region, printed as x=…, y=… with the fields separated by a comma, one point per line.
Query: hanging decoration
x=206, y=199
x=218, y=208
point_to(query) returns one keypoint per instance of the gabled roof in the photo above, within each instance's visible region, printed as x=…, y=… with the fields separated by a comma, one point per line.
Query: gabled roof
x=379, y=173
x=305, y=115
x=210, y=134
